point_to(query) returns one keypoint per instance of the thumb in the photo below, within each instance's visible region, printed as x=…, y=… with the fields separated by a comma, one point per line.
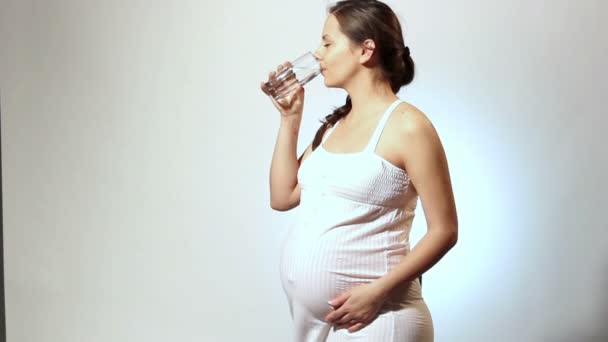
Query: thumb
x=339, y=300
x=299, y=93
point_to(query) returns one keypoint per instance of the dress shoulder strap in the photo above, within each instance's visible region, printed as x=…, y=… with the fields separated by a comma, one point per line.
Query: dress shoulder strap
x=371, y=146
x=330, y=130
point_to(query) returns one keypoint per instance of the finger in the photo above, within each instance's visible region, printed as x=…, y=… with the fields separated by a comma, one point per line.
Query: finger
x=356, y=327
x=345, y=319
x=267, y=89
x=293, y=87
x=340, y=299
x=289, y=77
x=300, y=90
x=281, y=68
x=296, y=94
x=284, y=79
x=348, y=324
x=273, y=76
x=264, y=88
x=285, y=85
x=271, y=79
x=336, y=315
x=293, y=95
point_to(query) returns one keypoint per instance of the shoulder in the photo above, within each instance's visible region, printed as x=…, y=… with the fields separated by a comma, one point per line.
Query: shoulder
x=412, y=121
x=415, y=130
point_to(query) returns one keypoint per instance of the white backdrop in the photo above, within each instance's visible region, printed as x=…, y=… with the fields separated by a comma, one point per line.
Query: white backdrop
x=137, y=147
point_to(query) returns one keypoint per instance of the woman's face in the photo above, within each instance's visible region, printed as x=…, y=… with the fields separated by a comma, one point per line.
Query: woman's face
x=338, y=62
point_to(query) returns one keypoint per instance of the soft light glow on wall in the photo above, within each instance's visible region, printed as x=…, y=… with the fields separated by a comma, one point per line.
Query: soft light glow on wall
x=136, y=149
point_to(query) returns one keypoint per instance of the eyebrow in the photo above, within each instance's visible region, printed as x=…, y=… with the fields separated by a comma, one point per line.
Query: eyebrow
x=325, y=35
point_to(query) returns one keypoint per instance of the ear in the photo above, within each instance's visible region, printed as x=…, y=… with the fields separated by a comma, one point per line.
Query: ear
x=367, y=50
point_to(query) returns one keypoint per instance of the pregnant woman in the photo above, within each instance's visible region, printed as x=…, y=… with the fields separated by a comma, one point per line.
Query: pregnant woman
x=346, y=266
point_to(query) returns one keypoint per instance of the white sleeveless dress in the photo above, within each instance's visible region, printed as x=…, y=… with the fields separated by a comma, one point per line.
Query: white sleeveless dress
x=353, y=224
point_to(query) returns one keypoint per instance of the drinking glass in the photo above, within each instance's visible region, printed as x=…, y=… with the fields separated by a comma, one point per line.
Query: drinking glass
x=300, y=71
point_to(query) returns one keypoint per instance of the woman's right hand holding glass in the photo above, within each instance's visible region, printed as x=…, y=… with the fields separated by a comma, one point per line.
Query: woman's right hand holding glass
x=292, y=104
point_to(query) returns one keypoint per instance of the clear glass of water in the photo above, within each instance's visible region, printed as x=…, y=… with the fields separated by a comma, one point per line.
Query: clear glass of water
x=300, y=71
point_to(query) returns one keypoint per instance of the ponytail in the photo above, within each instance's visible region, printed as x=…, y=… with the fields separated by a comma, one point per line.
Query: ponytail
x=331, y=120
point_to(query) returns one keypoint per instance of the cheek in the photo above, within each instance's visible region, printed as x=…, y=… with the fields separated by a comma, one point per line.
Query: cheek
x=333, y=60
x=337, y=72
x=339, y=64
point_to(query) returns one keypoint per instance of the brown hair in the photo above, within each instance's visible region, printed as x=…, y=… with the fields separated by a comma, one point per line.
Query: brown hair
x=368, y=19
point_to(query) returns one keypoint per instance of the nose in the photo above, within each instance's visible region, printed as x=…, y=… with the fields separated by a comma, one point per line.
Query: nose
x=318, y=59
x=316, y=56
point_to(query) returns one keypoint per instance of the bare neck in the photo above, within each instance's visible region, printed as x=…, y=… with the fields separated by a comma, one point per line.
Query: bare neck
x=369, y=99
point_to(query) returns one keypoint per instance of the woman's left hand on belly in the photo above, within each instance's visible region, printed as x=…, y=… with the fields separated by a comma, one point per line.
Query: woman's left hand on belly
x=356, y=307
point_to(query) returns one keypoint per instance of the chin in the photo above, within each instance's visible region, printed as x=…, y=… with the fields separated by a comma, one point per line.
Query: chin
x=328, y=84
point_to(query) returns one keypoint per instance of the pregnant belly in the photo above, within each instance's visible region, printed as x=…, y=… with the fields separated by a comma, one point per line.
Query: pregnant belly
x=316, y=270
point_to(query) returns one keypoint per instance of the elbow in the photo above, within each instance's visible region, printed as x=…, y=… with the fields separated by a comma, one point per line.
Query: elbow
x=277, y=206
x=454, y=237
x=445, y=240
x=283, y=204
x=273, y=206
x=448, y=235
x=454, y=240
x=275, y=203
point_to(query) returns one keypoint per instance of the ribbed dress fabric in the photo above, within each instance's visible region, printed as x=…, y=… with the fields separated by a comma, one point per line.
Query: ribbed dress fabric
x=352, y=227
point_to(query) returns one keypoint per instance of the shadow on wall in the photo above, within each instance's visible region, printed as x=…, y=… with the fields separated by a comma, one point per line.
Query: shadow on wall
x=600, y=334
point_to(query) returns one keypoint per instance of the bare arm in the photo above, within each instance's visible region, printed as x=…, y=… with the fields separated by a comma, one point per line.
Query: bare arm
x=284, y=187
x=427, y=166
